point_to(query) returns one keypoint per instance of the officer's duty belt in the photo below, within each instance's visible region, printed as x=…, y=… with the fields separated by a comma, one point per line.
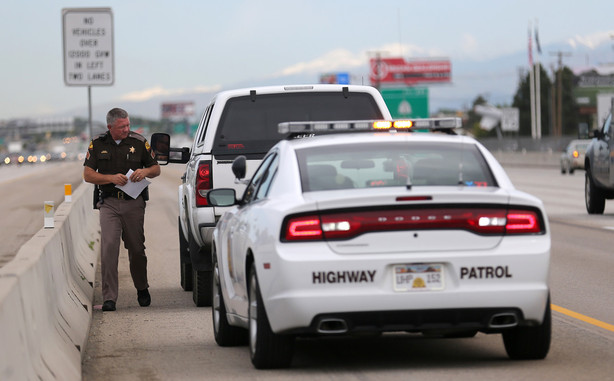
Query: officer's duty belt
x=118, y=194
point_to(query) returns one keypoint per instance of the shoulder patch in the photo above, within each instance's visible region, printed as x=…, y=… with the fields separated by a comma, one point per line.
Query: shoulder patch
x=136, y=135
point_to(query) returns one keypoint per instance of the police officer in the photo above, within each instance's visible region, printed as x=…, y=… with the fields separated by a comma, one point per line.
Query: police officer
x=109, y=157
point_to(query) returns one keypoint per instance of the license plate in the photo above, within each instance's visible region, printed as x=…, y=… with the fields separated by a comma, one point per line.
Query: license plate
x=419, y=277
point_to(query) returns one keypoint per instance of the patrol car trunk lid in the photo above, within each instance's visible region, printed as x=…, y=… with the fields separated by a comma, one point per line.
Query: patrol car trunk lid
x=423, y=219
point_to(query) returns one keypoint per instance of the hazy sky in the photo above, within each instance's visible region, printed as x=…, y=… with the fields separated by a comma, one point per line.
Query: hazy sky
x=172, y=47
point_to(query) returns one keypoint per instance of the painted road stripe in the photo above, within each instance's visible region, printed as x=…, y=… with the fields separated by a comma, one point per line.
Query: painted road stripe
x=584, y=318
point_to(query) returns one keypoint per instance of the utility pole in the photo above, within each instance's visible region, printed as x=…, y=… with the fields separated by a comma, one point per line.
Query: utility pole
x=378, y=64
x=558, y=127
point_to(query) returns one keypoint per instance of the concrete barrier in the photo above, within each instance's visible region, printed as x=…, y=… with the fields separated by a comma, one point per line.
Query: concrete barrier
x=46, y=295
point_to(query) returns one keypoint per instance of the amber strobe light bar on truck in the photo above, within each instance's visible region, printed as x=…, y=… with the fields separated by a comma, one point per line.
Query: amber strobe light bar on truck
x=430, y=124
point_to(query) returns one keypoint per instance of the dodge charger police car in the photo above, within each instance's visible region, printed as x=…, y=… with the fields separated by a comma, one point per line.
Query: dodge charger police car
x=375, y=228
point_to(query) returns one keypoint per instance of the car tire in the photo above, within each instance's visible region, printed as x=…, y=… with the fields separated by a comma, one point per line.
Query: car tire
x=225, y=334
x=267, y=349
x=593, y=197
x=185, y=267
x=202, y=282
x=530, y=343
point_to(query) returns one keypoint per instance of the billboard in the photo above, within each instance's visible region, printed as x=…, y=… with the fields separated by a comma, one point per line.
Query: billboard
x=177, y=110
x=397, y=71
x=335, y=78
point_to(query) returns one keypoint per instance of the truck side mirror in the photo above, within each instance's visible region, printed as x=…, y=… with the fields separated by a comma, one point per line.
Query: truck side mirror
x=161, y=145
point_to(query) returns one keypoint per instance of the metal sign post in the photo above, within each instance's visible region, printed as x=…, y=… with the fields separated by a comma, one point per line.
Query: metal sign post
x=88, y=49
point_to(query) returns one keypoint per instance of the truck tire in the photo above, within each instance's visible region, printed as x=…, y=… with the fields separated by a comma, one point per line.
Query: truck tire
x=200, y=258
x=203, y=283
x=185, y=265
x=594, y=198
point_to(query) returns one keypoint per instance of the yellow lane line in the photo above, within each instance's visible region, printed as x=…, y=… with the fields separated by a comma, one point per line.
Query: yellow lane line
x=584, y=318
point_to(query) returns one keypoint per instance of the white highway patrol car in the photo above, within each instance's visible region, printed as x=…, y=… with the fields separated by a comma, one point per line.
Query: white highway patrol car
x=375, y=226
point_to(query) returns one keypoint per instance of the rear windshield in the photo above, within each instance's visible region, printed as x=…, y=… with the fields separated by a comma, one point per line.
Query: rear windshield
x=250, y=127
x=387, y=165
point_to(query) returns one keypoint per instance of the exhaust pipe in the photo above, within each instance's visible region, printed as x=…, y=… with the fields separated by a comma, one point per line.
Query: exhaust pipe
x=332, y=326
x=503, y=320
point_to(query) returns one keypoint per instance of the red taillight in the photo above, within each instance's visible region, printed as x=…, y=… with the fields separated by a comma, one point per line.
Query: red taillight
x=203, y=183
x=522, y=222
x=340, y=226
x=303, y=228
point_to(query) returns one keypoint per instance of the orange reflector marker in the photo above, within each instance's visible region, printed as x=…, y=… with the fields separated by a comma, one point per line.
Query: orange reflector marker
x=382, y=125
x=67, y=192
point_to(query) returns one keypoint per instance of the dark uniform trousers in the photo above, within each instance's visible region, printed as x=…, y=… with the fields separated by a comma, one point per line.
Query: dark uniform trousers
x=122, y=219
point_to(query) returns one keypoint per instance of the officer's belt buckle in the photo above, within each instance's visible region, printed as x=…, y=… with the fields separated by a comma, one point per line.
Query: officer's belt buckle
x=121, y=195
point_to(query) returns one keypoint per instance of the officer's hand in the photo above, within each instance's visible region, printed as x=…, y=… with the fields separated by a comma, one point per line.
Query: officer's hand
x=119, y=179
x=137, y=175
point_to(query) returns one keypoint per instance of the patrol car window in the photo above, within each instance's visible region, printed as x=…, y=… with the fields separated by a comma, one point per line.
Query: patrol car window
x=249, y=127
x=267, y=179
x=387, y=165
x=260, y=177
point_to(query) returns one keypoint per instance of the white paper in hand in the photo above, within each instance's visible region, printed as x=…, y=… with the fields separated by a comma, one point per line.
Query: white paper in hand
x=133, y=189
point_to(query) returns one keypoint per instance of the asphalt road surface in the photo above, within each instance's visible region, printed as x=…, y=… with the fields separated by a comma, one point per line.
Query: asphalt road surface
x=24, y=189
x=173, y=340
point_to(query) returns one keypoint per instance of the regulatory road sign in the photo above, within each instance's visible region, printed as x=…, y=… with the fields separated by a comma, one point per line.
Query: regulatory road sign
x=510, y=119
x=408, y=102
x=88, y=46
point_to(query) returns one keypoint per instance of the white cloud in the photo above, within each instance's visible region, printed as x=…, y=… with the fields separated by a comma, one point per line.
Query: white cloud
x=143, y=95
x=469, y=44
x=334, y=60
x=593, y=40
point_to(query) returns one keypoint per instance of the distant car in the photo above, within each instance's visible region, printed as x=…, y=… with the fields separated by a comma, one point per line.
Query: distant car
x=599, y=165
x=573, y=156
x=384, y=230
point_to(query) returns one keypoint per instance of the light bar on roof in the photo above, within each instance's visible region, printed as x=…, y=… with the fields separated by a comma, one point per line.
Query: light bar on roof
x=368, y=125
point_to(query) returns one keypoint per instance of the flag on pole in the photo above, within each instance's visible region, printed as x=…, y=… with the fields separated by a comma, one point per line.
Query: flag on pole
x=537, y=46
x=530, y=48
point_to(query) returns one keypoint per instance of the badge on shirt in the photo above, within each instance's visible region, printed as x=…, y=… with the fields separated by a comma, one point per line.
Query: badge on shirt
x=132, y=150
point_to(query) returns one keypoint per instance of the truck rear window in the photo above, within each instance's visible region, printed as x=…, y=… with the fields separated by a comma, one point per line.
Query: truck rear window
x=250, y=127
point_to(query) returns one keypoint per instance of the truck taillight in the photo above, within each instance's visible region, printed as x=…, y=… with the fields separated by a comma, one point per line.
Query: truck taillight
x=203, y=183
x=482, y=221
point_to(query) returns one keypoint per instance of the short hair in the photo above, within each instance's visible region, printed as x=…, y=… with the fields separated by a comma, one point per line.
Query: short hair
x=114, y=114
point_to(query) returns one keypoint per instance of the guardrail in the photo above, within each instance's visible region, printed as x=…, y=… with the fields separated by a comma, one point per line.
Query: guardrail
x=46, y=295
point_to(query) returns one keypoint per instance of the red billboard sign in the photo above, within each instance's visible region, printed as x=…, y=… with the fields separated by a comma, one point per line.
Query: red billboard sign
x=399, y=71
x=177, y=110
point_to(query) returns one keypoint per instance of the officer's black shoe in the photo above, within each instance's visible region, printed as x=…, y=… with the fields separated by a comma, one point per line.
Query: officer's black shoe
x=143, y=297
x=108, y=305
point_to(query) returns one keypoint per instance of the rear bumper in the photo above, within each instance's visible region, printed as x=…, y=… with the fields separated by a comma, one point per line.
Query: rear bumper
x=298, y=291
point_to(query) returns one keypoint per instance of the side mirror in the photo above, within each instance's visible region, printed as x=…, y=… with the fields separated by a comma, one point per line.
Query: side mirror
x=596, y=134
x=222, y=197
x=239, y=167
x=161, y=145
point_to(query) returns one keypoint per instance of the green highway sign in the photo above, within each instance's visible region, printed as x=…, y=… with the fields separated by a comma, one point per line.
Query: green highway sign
x=407, y=102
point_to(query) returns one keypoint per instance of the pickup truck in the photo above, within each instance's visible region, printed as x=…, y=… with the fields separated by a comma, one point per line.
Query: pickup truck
x=244, y=122
x=599, y=166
